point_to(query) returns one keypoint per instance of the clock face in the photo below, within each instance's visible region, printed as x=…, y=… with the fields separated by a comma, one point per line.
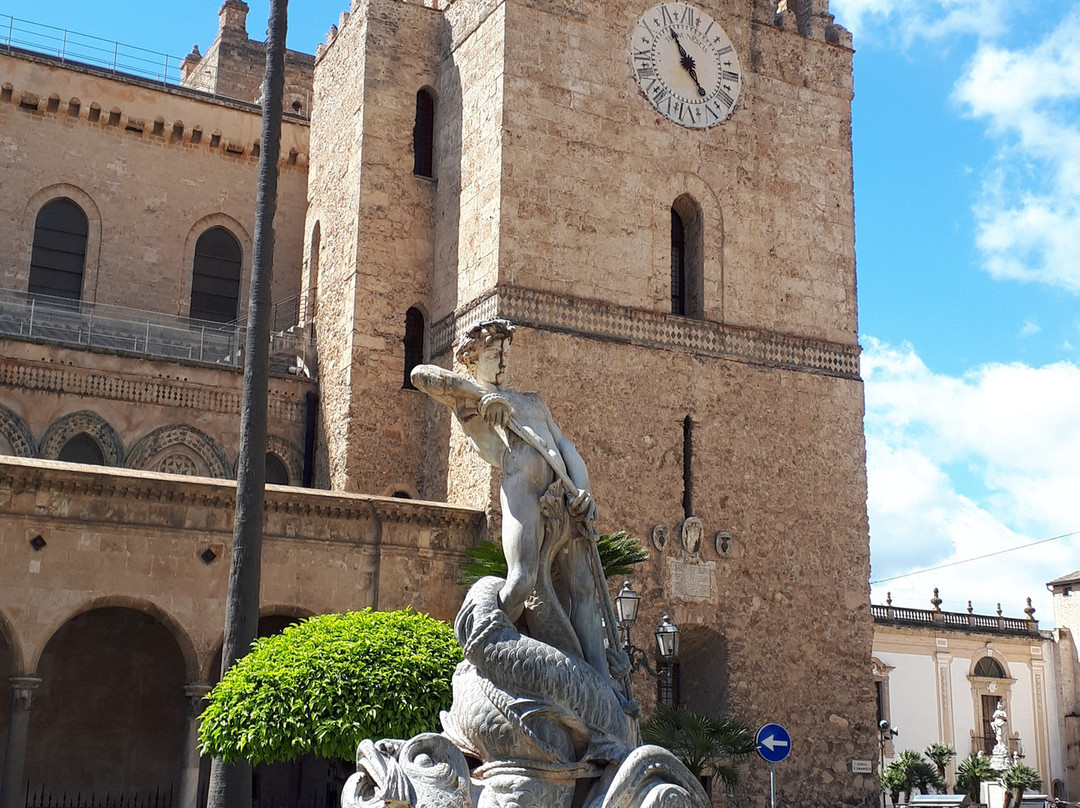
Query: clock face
x=685, y=65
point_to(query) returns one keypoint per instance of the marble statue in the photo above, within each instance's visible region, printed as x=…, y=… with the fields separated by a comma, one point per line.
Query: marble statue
x=542, y=714
x=999, y=721
x=548, y=513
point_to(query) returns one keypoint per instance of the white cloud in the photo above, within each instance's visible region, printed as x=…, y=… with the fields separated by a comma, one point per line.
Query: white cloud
x=923, y=19
x=1029, y=328
x=1028, y=215
x=960, y=467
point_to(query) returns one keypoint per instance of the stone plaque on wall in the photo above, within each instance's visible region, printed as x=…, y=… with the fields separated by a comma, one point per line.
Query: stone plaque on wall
x=688, y=580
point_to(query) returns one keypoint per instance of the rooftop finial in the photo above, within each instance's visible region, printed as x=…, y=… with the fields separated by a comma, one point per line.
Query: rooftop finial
x=936, y=601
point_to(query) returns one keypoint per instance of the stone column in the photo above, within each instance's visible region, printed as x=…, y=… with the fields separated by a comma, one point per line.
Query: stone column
x=13, y=790
x=189, y=770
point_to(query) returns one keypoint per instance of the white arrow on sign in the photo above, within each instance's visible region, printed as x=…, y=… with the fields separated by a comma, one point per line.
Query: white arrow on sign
x=772, y=742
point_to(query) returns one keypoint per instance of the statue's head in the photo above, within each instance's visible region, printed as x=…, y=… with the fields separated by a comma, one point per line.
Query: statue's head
x=483, y=350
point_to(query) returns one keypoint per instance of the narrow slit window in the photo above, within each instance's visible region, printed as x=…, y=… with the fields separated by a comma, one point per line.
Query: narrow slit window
x=688, y=467
x=424, y=135
x=678, y=264
x=414, y=344
x=687, y=258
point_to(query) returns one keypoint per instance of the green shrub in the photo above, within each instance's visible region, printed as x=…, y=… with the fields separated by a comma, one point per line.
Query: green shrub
x=326, y=683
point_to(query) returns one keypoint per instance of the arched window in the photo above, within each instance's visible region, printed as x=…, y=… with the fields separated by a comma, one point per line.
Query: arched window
x=687, y=259
x=678, y=264
x=424, y=135
x=59, y=254
x=277, y=473
x=311, y=309
x=414, y=344
x=82, y=449
x=989, y=667
x=215, y=276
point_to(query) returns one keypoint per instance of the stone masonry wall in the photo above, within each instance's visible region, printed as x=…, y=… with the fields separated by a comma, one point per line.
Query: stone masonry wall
x=376, y=225
x=151, y=167
x=119, y=537
x=782, y=615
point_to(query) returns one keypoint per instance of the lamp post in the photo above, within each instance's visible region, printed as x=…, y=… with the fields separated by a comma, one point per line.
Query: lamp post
x=667, y=642
x=887, y=733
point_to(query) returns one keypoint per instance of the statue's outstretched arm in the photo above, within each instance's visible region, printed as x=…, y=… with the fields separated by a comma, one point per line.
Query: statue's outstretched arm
x=445, y=386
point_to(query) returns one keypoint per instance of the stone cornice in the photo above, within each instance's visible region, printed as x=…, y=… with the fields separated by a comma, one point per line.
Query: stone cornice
x=42, y=478
x=140, y=123
x=607, y=321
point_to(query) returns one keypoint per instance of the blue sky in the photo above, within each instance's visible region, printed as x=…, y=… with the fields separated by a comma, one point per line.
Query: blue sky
x=967, y=192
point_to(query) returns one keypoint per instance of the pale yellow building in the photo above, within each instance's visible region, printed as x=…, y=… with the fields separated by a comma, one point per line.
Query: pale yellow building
x=941, y=675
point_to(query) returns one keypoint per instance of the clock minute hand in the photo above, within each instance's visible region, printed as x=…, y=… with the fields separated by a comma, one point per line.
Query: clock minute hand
x=687, y=61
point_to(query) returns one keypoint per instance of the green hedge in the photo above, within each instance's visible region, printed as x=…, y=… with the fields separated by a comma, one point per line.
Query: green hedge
x=324, y=684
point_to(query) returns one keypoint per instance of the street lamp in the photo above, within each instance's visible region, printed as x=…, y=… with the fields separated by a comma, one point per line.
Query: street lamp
x=667, y=641
x=887, y=732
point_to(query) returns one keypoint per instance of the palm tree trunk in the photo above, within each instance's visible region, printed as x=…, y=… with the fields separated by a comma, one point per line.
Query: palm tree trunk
x=230, y=784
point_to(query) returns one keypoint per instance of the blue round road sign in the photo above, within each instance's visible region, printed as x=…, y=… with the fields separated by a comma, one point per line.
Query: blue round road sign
x=773, y=743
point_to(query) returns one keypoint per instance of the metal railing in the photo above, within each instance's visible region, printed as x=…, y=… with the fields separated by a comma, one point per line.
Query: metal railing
x=70, y=46
x=42, y=798
x=958, y=620
x=41, y=318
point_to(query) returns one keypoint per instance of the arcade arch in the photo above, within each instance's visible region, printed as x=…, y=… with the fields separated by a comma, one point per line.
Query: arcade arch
x=110, y=705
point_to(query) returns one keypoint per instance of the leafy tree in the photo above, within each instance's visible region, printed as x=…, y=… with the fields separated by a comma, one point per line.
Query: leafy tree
x=710, y=747
x=325, y=683
x=619, y=554
x=971, y=773
x=1016, y=779
x=940, y=754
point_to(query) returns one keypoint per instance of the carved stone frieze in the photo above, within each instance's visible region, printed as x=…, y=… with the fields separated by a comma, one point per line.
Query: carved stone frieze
x=151, y=452
x=594, y=318
x=16, y=433
x=78, y=423
x=140, y=390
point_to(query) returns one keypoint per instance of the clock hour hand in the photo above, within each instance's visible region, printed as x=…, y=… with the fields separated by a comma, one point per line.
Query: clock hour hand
x=687, y=61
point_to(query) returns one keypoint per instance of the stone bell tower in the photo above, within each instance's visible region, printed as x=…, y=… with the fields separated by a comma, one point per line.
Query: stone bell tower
x=660, y=196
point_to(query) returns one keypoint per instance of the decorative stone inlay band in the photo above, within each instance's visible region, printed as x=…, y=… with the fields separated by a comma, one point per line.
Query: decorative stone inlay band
x=162, y=392
x=594, y=318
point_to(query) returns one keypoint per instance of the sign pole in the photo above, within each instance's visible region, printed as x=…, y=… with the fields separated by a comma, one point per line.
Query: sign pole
x=773, y=744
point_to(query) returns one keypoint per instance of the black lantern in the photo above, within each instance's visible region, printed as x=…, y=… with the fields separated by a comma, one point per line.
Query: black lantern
x=667, y=638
